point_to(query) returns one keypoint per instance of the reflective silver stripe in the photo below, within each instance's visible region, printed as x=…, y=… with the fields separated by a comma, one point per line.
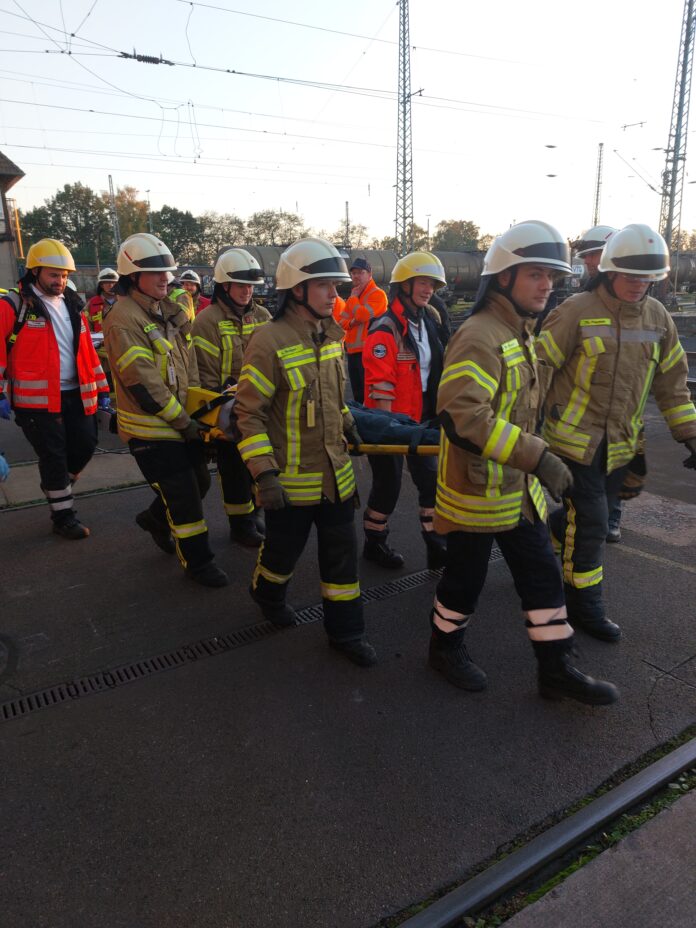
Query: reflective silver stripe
x=640, y=335
x=30, y=384
x=31, y=400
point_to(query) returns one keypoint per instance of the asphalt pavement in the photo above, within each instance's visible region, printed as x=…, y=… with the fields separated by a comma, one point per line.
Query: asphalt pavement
x=275, y=784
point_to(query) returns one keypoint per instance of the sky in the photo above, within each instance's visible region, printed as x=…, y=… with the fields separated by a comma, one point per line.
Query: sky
x=510, y=102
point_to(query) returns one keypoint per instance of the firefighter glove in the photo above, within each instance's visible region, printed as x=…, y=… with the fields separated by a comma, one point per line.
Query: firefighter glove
x=690, y=462
x=271, y=494
x=554, y=474
x=4, y=408
x=194, y=431
x=634, y=480
x=353, y=438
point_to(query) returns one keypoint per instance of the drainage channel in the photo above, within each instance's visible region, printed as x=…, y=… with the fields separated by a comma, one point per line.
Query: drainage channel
x=105, y=680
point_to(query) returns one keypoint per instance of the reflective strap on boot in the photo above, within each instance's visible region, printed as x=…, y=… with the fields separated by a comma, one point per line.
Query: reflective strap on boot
x=426, y=519
x=375, y=523
x=446, y=620
x=548, y=624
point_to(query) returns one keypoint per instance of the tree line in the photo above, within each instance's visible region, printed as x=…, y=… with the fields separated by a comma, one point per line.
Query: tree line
x=81, y=218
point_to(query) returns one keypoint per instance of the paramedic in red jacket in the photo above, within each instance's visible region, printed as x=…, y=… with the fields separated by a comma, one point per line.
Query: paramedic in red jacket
x=403, y=364
x=50, y=370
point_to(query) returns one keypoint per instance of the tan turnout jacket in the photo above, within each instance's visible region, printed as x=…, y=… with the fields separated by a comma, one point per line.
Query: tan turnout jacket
x=606, y=356
x=220, y=338
x=152, y=364
x=488, y=405
x=290, y=408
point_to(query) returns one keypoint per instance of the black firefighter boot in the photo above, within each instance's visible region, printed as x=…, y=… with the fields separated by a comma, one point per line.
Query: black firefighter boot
x=586, y=611
x=435, y=546
x=449, y=656
x=558, y=679
x=245, y=531
x=376, y=548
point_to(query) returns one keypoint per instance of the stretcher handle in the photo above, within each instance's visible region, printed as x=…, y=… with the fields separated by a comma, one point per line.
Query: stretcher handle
x=396, y=449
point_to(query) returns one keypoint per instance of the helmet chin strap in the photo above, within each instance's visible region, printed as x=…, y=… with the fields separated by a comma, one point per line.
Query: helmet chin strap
x=507, y=293
x=406, y=296
x=303, y=302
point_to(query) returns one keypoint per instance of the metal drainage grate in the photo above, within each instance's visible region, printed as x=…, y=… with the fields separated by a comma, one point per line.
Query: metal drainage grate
x=188, y=654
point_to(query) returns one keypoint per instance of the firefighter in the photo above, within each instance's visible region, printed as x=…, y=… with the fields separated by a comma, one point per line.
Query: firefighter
x=53, y=376
x=403, y=364
x=365, y=303
x=104, y=299
x=180, y=295
x=492, y=467
x=607, y=350
x=220, y=336
x=293, y=420
x=191, y=282
x=148, y=340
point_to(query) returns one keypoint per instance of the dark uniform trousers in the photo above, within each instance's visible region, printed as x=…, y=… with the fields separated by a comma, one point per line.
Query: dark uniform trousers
x=528, y=552
x=287, y=531
x=356, y=375
x=387, y=471
x=234, y=478
x=581, y=527
x=178, y=473
x=64, y=443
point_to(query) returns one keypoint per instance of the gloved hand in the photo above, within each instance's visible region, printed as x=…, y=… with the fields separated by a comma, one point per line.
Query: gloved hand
x=4, y=408
x=194, y=431
x=4, y=469
x=352, y=436
x=634, y=481
x=554, y=474
x=271, y=494
x=690, y=462
x=104, y=402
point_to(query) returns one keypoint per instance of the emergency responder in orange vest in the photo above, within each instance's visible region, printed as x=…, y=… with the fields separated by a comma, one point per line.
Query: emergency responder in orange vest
x=191, y=282
x=607, y=350
x=403, y=364
x=293, y=420
x=221, y=333
x=51, y=371
x=492, y=467
x=104, y=299
x=153, y=363
x=365, y=303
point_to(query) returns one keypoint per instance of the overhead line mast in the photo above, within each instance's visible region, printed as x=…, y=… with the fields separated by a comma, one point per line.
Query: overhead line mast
x=598, y=184
x=404, y=159
x=673, y=176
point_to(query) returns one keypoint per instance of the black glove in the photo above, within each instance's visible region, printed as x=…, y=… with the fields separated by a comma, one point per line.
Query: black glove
x=554, y=474
x=194, y=431
x=270, y=491
x=634, y=481
x=352, y=436
x=690, y=462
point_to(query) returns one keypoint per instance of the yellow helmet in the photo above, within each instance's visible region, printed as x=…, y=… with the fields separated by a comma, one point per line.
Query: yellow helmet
x=419, y=264
x=49, y=252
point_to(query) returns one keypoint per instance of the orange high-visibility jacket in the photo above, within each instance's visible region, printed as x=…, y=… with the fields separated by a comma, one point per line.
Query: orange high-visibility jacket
x=358, y=313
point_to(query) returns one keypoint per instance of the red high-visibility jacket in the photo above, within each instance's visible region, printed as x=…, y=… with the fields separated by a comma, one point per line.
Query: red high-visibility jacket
x=30, y=369
x=358, y=313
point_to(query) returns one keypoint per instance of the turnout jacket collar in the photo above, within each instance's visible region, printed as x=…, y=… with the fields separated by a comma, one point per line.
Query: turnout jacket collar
x=166, y=308
x=503, y=309
x=328, y=329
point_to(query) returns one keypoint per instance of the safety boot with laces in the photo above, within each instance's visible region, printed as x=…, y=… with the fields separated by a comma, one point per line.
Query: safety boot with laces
x=452, y=660
x=378, y=551
x=245, y=531
x=72, y=529
x=208, y=575
x=359, y=651
x=160, y=532
x=559, y=679
x=277, y=613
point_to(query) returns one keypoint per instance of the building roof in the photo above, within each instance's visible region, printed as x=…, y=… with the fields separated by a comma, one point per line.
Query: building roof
x=9, y=172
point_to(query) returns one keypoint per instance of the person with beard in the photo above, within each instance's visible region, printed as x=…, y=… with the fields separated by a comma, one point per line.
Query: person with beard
x=221, y=333
x=49, y=368
x=402, y=358
x=493, y=466
x=606, y=350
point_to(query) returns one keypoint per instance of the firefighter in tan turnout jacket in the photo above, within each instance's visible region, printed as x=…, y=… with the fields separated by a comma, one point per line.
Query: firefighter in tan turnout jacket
x=221, y=333
x=293, y=420
x=153, y=364
x=492, y=467
x=608, y=349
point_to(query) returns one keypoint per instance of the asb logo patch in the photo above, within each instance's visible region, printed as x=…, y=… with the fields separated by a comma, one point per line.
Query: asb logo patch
x=380, y=351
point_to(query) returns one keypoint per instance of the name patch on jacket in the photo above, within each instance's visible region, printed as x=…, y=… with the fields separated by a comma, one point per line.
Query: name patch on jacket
x=36, y=323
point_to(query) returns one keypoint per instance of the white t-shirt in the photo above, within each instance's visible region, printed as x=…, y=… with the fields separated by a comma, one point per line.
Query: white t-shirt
x=419, y=334
x=62, y=327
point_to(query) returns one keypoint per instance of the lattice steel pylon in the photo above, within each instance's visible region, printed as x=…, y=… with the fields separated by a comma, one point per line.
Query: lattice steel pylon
x=673, y=176
x=404, y=158
x=598, y=185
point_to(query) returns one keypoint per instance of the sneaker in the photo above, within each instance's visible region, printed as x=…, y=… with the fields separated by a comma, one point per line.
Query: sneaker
x=210, y=575
x=73, y=529
x=359, y=651
x=160, y=532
